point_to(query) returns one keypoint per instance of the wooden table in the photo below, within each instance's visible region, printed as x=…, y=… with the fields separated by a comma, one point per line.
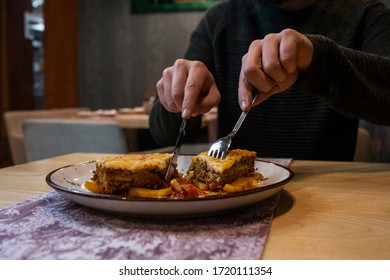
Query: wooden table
x=331, y=210
x=141, y=121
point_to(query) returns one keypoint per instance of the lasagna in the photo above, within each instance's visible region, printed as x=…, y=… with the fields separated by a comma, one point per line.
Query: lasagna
x=138, y=175
x=210, y=173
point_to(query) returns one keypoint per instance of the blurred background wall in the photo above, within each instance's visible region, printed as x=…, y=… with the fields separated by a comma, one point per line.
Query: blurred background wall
x=122, y=54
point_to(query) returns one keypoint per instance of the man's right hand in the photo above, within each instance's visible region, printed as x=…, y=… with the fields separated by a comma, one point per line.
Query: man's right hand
x=188, y=87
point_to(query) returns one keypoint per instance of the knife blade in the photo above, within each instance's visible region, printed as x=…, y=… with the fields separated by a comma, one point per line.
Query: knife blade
x=176, y=151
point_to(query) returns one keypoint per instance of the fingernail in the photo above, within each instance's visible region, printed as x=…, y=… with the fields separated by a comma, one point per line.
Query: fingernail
x=185, y=113
x=243, y=104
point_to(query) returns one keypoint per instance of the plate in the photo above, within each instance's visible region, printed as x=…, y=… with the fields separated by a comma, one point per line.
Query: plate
x=69, y=180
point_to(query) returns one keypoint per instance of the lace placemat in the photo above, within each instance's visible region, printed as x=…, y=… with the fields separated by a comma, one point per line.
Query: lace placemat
x=51, y=227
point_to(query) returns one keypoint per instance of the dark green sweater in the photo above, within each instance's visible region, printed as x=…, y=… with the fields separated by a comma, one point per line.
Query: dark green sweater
x=317, y=118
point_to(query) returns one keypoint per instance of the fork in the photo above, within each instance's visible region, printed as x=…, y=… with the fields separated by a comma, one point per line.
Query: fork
x=221, y=146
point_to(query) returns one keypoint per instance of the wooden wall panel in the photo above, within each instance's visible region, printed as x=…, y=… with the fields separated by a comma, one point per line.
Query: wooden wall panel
x=4, y=157
x=19, y=57
x=3, y=58
x=61, y=54
x=16, y=69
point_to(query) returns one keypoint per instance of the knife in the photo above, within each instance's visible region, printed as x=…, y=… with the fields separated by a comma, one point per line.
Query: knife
x=176, y=150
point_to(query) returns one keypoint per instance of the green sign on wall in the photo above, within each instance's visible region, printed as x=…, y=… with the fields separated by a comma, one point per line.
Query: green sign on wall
x=146, y=6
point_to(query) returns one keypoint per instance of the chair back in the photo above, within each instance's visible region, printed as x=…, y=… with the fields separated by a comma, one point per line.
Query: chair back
x=363, y=151
x=14, y=127
x=46, y=138
x=380, y=141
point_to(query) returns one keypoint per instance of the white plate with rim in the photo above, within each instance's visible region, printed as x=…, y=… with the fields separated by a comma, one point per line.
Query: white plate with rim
x=69, y=182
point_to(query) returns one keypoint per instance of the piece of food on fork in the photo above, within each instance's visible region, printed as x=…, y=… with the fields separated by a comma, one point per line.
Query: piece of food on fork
x=211, y=173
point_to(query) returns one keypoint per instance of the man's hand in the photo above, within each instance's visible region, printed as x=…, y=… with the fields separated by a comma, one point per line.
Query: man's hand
x=272, y=65
x=188, y=87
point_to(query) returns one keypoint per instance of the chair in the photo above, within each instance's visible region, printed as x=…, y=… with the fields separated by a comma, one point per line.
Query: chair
x=53, y=137
x=14, y=127
x=363, y=146
x=380, y=141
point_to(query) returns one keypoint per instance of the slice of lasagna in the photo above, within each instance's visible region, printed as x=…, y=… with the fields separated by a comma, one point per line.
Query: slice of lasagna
x=132, y=174
x=211, y=173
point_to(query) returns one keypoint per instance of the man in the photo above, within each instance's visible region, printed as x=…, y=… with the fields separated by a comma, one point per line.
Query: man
x=325, y=63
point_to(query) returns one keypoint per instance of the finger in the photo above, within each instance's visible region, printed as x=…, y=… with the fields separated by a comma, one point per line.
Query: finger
x=245, y=90
x=305, y=51
x=192, y=89
x=287, y=83
x=252, y=57
x=258, y=79
x=252, y=68
x=197, y=87
x=271, y=64
x=179, y=78
x=288, y=51
x=167, y=79
x=209, y=101
x=297, y=51
x=162, y=89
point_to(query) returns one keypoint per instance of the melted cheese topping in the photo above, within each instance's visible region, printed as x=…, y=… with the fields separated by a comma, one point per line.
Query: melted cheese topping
x=219, y=165
x=136, y=162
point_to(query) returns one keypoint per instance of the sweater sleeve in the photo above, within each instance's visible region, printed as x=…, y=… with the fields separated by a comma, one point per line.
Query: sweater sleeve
x=354, y=83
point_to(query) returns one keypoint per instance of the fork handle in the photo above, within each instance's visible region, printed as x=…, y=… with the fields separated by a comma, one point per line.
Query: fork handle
x=238, y=124
x=242, y=118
